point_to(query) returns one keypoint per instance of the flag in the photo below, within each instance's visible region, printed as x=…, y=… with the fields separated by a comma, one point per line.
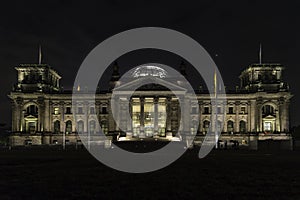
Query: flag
x=216, y=115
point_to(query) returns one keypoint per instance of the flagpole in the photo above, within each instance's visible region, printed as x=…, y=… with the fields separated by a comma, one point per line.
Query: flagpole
x=216, y=114
x=40, y=54
x=64, y=136
x=260, y=54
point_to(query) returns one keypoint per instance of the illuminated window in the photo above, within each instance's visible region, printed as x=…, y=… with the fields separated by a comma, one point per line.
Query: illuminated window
x=268, y=126
x=243, y=110
x=56, y=111
x=104, y=126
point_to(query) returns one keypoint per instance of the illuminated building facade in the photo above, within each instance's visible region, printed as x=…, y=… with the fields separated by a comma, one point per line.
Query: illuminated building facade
x=42, y=112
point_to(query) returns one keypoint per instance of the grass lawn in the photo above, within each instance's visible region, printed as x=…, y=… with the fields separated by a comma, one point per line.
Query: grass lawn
x=223, y=174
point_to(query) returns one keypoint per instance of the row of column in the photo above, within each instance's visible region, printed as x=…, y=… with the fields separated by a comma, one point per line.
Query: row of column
x=121, y=109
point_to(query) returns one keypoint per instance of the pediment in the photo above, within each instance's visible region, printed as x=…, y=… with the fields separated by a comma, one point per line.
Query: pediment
x=269, y=117
x=30, y=117
x=149, y=83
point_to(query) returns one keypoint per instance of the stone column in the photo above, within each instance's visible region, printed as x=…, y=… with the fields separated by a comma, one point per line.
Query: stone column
x=155, y=116
x=168, y=109
x=237, y=121
x=13, y=116
x=22, y=120
x=182, y=118
x=129, y=121
x=62, y=116
x=285, y=116
x=277, y=121
x=50, y=119
x=280, y=114
x=97, y=112
x=142, y=116
x=111, y=120
x=19, y=115
x=213, y=115
x=86, y=116
x=253, y=116
x=46, y=117
x=248, y=111
x=187, y=116
x=200, y=116
x=123, y=118
x=259, y=115
x=41, y=114
x=117, y=113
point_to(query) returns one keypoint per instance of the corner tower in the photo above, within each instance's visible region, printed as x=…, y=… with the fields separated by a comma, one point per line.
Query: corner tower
x=36, y=78
x=263, y=77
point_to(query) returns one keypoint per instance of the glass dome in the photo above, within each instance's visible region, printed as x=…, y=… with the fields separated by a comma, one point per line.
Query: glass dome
x=149, y=71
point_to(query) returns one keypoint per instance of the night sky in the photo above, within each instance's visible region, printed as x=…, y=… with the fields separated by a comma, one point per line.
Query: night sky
x=230, y=31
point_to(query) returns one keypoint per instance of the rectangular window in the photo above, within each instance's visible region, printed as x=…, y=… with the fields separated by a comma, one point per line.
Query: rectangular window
x=230, y=110
x=243, y=110
x=68, y=110
x=104, y=110
x=80, y=110
x=194, y=110
x=206, y=110
x=56, y=111
x=267, y=126
x=92, y=110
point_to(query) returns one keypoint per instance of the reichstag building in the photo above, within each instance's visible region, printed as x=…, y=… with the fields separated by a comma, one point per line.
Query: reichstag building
x=42, y=112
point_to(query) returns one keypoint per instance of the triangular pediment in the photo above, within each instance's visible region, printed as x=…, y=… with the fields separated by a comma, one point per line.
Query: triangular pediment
x=269, y=117
x=30, y=117
x=146, y=83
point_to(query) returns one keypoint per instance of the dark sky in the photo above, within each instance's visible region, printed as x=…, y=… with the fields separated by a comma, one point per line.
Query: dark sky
x=68, y=31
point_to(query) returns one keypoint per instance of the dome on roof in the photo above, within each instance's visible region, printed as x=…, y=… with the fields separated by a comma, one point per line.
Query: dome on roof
x=149, y=70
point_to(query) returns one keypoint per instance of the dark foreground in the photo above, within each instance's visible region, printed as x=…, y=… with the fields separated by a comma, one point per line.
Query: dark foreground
x=225, y=174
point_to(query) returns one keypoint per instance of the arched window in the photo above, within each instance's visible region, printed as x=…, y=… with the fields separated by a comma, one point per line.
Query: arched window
x=230, y=126
x=92, y=127
x=104, y=126
x=68, y=127
x=206, y=124
x=268, y=110
x=32, y=110
x=80, y=126
x=242, y=126
x=57, y=126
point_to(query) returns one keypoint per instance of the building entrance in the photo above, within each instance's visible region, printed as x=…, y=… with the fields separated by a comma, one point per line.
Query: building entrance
x=149, y=117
